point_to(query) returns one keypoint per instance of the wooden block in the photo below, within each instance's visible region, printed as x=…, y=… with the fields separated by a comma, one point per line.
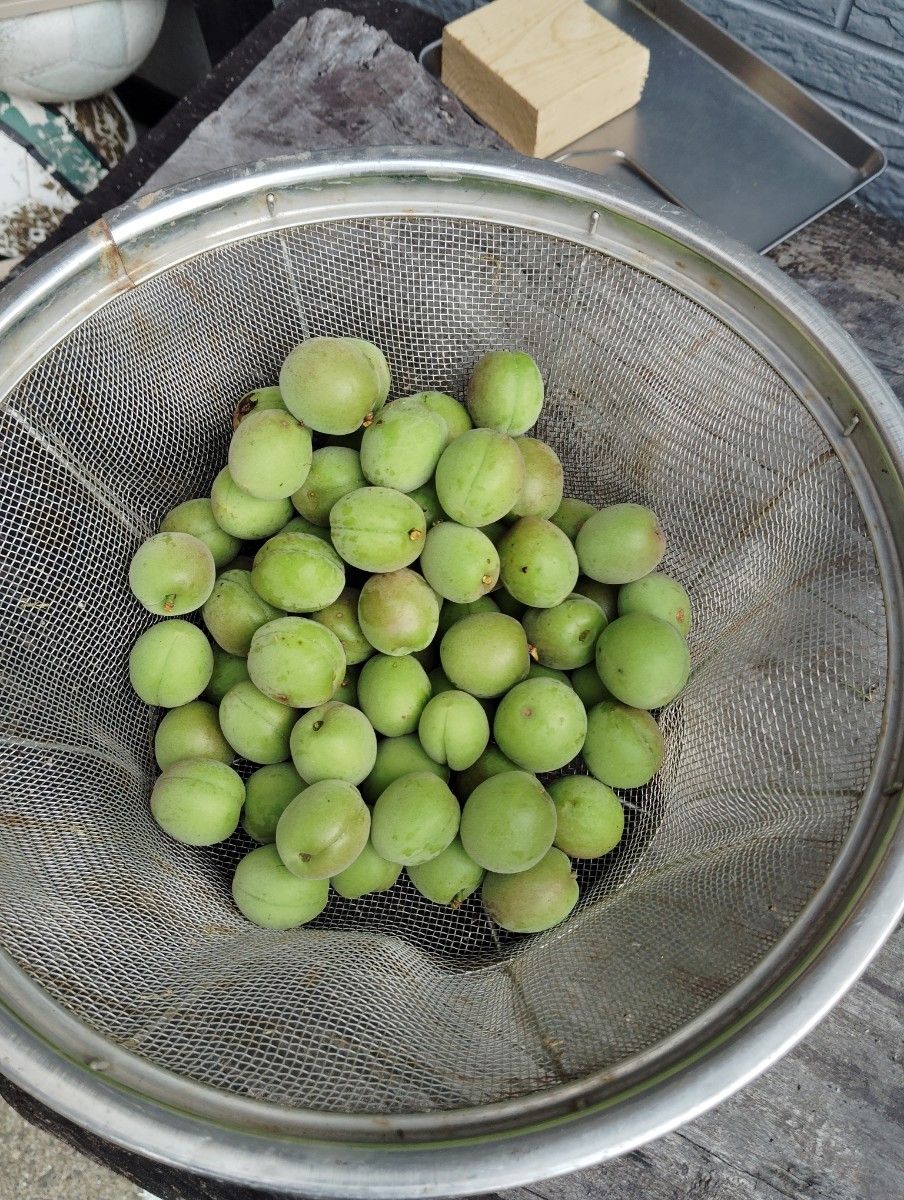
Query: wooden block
x=542, y=72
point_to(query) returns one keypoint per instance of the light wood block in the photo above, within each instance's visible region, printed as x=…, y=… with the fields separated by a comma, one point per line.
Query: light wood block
x=542, y=72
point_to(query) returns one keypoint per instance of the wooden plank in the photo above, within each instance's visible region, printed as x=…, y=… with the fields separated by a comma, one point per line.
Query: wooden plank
x=542, y=73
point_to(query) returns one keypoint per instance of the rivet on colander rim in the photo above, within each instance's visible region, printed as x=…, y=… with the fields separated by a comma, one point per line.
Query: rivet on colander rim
x=98, y=1064
x=851, y=426
x=271, y=203
x=594, y=221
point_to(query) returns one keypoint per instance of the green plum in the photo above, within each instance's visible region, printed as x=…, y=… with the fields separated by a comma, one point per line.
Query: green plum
x=172, y=574
x=331, y=384
x=624, y=746
x=333, y=741
x=454, y=729
x=506, y=603
x=341, y=617
x=347, y=691
x=414, y=819
x=459, y=562
x=620, y=543
x=335, y=471
x=234, y=611
x=398, y=612
x=401, y=448
x=170, y=664
x=245, y=516
x=538, y=563
x=260, y=400
x=299, y=524
x=190, y=731
x=660, y=596
x=368, y=873
x=323, y=830
x=398, y=756
x=533, y=900
x=491, y=762
x=565, y=636
x=196, y=517
x=268, y=793
x=505, y=392
x=378, y=529
x=485, y=654
x=540, y=724
x=538, y=671
x=255, y=726
x=440, y=682
x=298, y=572
x=198, y=802
x=269, y=895
x=508, y=822
x=296, y=661
x=643, y=661
x=451, y=612
x=479, y=477
x=571, y=515
x=392, y=692
x=590, y=819
x=428, y=501
x=380, y=365
x=603, y=594
x=541, y=492
x=448, y=879
x=270, y=455
x=453, y=413
x=228, y=670
x=588, y=685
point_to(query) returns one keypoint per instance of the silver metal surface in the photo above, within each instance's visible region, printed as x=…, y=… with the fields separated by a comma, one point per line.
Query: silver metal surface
x=394, y=1050
x=720, y=131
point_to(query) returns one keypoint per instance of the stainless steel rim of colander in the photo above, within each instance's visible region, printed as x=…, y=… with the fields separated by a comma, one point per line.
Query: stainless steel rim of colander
x=137, y=1105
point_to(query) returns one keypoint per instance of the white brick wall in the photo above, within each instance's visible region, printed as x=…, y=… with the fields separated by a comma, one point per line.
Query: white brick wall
x=850, y=53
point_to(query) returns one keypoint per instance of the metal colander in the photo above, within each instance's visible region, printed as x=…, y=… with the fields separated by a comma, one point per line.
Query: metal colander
x=363, y=1055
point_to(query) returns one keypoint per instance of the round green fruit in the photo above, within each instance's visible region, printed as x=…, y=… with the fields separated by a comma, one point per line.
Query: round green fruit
x=451, y=613
x=660, y=596
x=589, y=817
x=245, y=516
x=588, y=685
x=620, y=543
x=540, y=724
x=323, y=830
x=297, y=572
x=485, y=654
x=341, y=618
x=297, y=662
x=603, y=594
x=505, y=392
x=234, y=612
x=331, y=384
x=228, y=670
x=198, y=802
x=539, y=566
x=398, y=756
x=255, y=726
x=459, y=562
x=571, y=515
x=368, y=873
x=429, y=504
x=190, y=731
x=533, y=900
x=260, y=400
x=270, y=455
x=508, y=822
x=454, y=729
x=643, y=661
x=565, y=636
x=398, y=612
x=541, y=491
x=448, y=879
x=538, y=671
x=624, y=746
x=172, y=574
x=479, y=477
x=170, y=664
x=196, y=517
x=333, y=741
x=392, y=692
x=401, y=448
x=347, y=691
x=378, y=529
x=491, y=762
x=268, y=793
x=335, y=471
x=270, y=896
x=299, y=524
x=414, y=819
x=453, y=413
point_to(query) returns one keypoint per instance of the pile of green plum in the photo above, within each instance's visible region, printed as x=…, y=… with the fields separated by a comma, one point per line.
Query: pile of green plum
x=405, y=625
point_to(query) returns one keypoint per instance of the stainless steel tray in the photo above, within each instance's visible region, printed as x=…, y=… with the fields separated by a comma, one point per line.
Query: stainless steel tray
x=719, y=131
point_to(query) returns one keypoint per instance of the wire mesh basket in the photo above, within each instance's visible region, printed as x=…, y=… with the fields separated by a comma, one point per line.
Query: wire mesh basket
x=393, y=1048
